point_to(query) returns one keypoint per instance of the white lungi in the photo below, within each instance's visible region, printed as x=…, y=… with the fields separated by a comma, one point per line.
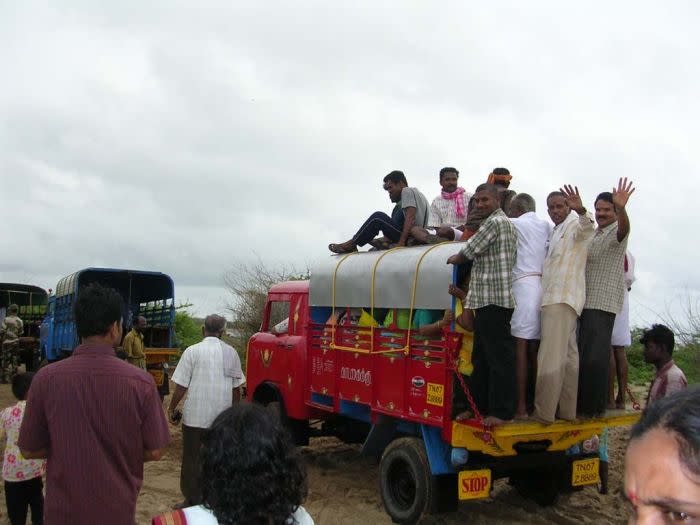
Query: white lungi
x=621, y=335
x=527, y=291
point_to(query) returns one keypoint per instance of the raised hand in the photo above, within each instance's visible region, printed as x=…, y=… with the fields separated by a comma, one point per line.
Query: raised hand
x=623, y=193
x=572, y=197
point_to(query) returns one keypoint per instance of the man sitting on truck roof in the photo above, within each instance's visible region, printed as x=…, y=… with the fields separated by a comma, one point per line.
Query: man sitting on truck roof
x=448, y=211
x=492, y=249
x=411, y=209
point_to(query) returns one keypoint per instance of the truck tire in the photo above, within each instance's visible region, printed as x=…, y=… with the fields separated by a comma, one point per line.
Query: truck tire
x=298, y=429
x=405, y=481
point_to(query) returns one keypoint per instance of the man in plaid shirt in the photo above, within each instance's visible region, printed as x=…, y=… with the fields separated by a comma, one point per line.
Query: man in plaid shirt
x=492, y=248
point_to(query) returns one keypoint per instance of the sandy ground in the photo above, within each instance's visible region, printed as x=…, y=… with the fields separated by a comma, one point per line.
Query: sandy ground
x=344, y=489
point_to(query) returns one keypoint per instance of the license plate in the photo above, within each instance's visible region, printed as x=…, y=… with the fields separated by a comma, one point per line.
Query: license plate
x=585, y=472
x=474, y=484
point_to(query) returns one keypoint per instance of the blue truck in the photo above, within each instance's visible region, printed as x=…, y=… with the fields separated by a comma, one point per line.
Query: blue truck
x=144, y=293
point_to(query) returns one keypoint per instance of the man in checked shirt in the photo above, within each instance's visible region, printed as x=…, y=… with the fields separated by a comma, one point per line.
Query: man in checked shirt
x=492, y=248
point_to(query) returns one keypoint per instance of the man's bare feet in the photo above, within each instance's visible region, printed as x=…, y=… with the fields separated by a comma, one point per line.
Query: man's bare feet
x=521, y=416
x=493, y=421
x=467, y=414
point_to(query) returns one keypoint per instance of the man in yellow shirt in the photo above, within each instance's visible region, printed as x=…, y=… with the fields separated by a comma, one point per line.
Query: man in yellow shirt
x=133, y=343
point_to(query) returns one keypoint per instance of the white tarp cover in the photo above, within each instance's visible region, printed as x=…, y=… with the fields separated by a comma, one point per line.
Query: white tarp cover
x=394, y=278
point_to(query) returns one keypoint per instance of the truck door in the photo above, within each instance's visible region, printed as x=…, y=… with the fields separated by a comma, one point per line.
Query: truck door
x=277, y=353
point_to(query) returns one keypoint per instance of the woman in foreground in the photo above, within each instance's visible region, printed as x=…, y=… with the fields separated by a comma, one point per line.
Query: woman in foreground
x=251, y=474
x=662, y=467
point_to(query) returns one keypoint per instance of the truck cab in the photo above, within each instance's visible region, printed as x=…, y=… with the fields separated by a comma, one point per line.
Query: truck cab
x=32, y=302
x=144, y=293
x=342, y=368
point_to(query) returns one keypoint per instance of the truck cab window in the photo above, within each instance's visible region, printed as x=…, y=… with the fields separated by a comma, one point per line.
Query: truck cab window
x=278, y=322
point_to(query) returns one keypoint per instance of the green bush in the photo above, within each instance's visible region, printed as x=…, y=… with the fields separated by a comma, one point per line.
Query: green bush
x=188, y=330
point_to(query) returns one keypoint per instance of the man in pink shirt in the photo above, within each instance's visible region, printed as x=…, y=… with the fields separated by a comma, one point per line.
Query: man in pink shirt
x=658, y=344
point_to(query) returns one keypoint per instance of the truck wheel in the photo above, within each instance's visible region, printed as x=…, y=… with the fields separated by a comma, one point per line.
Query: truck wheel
x=405, y=481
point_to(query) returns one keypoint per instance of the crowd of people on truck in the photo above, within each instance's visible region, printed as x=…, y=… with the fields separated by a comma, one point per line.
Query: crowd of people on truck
x=89, y=422
x=548, y=304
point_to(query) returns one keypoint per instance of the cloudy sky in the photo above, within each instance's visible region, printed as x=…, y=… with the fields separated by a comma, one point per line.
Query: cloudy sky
x=164, y=136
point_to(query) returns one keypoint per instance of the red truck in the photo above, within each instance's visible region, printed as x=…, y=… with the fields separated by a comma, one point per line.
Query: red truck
x=391, y=389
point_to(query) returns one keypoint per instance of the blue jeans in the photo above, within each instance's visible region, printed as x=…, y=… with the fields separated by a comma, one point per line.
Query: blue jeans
x=380, y=222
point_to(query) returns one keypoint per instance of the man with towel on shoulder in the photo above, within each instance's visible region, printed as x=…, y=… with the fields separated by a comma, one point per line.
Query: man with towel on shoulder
x=211, y=375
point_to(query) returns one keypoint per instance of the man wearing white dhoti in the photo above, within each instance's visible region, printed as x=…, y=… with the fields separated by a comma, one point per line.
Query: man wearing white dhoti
x=532, y=233
x=621, y=338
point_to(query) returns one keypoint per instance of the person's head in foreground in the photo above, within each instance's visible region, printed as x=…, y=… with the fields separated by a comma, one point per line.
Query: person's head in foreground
x=21, y=384
x=98, y=315
x=662, y=466
x=251, y=473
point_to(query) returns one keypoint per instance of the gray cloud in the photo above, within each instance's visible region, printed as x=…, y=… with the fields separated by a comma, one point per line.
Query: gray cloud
x=163, y=136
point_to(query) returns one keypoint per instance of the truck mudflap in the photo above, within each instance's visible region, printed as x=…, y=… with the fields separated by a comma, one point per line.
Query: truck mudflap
x=508, y=439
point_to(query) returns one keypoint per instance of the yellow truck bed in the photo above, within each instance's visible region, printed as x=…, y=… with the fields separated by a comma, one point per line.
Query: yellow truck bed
x=499, y=441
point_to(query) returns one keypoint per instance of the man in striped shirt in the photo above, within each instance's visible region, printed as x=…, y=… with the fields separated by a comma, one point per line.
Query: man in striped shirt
x=493, y=249
x=96, y=419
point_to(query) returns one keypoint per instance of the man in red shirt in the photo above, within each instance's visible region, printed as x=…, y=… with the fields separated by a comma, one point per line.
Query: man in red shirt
x=658, y=344
x=96, y=419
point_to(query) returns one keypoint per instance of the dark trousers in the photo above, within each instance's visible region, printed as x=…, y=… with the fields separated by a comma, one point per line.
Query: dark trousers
x=493, y=380
x=379, y=222
x=190, y=470
x=595, y=334
x=23, y=495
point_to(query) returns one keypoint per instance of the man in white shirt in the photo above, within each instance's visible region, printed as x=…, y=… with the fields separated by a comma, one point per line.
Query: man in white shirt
x=533, y=234
x=448, y=211
x=210, y=374
x=563, y=295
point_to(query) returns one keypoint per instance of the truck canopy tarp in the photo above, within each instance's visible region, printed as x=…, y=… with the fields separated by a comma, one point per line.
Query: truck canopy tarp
x=22, y=295
x=134, y=285
x=394, y=274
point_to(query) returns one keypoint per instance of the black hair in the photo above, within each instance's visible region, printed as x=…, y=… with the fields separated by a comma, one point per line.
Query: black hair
x=661, y=335
x=500, y=171
x=605, y=196
x=250, y=470
x=96, y=308
x=555, y=194
x=678, y=414
x=396, y=177
x=21, y=384
x=491, y=188
x=445, y=170
x=213, y=324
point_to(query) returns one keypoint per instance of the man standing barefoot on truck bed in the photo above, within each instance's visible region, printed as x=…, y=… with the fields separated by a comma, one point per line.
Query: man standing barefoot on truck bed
x=492, y=248
x=563, y=295
x=96, y=419
x=411, y=210
x=605, y=294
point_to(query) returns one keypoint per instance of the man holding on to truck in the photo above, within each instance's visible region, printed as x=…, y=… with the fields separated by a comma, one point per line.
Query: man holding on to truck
x=492, y=248
x=211, y=375
x=133, y=343
x=96, y=419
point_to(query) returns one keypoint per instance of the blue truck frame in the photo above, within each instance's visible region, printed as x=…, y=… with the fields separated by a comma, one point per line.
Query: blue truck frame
x=146, y=293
